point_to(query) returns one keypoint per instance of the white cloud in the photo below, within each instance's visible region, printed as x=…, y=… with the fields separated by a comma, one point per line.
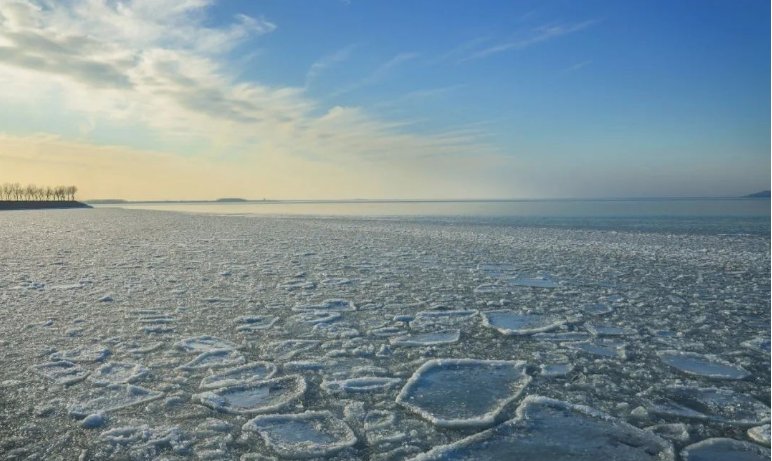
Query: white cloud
x=158, y=65
x=531, y=37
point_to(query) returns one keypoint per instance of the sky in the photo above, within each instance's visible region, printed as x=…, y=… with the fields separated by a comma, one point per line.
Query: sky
x=345, y=99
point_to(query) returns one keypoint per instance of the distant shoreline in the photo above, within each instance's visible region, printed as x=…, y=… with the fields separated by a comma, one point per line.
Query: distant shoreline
x=365, y=201
x=9, y=205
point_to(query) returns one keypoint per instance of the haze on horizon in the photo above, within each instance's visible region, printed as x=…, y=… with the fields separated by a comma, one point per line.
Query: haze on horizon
x=335, y=99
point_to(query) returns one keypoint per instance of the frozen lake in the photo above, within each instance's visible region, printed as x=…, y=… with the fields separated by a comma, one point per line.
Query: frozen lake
x=146, y=334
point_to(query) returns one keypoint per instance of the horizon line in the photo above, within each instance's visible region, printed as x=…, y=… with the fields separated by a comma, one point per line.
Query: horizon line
x=438, y=200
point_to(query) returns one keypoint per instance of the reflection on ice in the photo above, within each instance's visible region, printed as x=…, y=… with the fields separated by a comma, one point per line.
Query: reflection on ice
x=547, y=429
x=463, y=392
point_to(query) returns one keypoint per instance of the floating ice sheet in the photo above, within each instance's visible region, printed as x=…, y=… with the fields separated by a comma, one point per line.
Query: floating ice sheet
x=119, y=373
x=533, y=282
x=463, y=392
x=203, y=344
x=256, y=371
x=434, y=338
x=256, y=397
x=61, y=372
x=714, y=404
x=289, y=348
x=607, y=330
x=93, y=353
x=327, y=305
x=426, y=319
x=112, y=397
x=304, y=435
x=707, y=366
x=597, y=309
x=516, y=323
x=316, y=316
x=215, y=359
x=255, y=323
x=758, y=344
x=552, y=370
x=602, y=348
x=760, y=434
x=546, y=429
x=360, y=385
x=721, y=449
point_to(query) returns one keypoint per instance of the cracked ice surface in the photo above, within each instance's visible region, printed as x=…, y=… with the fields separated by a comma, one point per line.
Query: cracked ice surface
x=331, y=330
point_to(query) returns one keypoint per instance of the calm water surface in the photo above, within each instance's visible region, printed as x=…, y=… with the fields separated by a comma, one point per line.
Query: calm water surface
x=730, y=215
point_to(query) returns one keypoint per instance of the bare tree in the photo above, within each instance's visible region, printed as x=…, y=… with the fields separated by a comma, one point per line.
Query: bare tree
x=32, y=192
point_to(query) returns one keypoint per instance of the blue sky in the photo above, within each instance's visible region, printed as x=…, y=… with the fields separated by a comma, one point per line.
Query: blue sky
x=343, y=99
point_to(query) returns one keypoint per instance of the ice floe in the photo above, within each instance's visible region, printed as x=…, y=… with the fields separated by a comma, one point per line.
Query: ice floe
x=707, y=366
x=359, y=385
x=534, y=282
x=758, y=344
x=302, y=435
x=463, y=392
x=119, y=373
x=434, y=338
x=604, y=348
x=112, y=397
x=723, y=449
x=203, y=344
x=515, y=323
x=287, y=349
x=553, y=430
x=760, y=434
x=61, y=372
x=255, y=323
x=340, y=305
x=255, y=397
x=714, y=404
x=316, y=316
x=94, y=353
x=218, y=358
x=256, y=371
x=597, y=309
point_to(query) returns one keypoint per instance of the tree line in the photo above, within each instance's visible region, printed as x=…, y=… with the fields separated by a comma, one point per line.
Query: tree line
x=32, y=192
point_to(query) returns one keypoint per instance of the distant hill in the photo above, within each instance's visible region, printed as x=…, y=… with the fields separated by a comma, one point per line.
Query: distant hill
x=106, y=201
x=762, y=194
x=231, y=199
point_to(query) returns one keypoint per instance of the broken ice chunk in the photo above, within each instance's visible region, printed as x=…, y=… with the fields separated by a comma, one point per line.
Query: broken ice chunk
x=93, y=353
x=359, y=385
x=119, y=373
x=760, y=434
x=256, y=397
x=256, y=371
x=720, y=449
x=463, y=392
x=304, y=435
x=547, y=429
x=112, y=397
x=214, y=359
x=427, y=339
x=61, y=372
x=203, y=344
x=515, y=323
x=533, y=282
x=713, y=404
x=707, y=366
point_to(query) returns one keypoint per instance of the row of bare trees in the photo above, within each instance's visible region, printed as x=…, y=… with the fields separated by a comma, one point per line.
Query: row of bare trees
x=32, y=192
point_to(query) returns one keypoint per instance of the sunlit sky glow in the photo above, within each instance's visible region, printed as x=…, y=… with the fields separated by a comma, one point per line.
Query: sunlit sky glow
x=288, y=99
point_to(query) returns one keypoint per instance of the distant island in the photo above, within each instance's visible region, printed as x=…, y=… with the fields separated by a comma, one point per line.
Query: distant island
x=762, y=194
x=32, y=197
x=231, y=199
